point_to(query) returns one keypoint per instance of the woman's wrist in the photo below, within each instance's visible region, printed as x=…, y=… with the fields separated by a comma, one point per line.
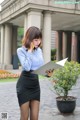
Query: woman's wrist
x=29, y=50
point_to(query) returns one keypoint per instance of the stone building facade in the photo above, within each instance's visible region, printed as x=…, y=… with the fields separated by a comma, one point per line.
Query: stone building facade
x=48, y=15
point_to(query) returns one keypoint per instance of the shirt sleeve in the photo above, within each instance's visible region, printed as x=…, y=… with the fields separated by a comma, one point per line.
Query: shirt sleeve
x=25, y=61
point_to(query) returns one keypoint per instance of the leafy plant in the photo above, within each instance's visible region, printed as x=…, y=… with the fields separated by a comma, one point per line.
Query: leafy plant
x=53, y=54
x=65, y=77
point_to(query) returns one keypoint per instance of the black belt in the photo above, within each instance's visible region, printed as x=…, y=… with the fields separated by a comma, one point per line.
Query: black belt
x=27, y=71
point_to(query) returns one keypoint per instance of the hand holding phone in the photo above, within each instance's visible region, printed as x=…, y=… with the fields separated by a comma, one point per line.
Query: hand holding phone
x=31, y=47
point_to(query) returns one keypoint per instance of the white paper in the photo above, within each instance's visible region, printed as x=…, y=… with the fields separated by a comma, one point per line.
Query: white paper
x=48, y=66
x=62, y=62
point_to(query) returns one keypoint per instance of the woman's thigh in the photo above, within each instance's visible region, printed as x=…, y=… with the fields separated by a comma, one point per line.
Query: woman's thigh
x=34, y=109
x=24, y=109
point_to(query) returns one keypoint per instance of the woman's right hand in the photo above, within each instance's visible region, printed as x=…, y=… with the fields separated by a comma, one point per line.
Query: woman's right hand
x=31, y=47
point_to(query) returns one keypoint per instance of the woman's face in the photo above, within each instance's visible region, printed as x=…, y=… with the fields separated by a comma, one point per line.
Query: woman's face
x=36, y=42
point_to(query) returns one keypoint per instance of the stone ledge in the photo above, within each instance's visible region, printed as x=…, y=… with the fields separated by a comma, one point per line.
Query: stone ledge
x=6, y=67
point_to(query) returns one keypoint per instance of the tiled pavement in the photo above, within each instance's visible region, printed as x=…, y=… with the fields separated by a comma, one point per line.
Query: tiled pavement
x=48, y=109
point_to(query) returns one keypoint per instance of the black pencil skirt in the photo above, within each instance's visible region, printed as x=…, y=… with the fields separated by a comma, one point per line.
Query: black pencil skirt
x=27, y=87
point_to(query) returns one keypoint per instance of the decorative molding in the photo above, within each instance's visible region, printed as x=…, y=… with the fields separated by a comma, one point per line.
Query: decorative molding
x=14, y=8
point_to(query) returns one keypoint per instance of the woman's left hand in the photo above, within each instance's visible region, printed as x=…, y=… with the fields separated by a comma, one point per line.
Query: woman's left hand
x=49, y=72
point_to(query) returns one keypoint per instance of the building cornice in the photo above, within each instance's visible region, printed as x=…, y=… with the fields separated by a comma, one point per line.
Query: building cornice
x=17, y=9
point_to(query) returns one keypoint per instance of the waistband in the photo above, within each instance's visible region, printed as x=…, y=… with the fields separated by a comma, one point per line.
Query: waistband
x=27, y=72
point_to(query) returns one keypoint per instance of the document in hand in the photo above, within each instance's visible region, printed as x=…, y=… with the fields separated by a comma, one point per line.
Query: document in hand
x=50, y=66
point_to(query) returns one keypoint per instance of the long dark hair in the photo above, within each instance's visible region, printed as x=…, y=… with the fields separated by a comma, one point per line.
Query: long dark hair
x=32, y=33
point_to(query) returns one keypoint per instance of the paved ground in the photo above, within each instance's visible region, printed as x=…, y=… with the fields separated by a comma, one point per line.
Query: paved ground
x=48, y=109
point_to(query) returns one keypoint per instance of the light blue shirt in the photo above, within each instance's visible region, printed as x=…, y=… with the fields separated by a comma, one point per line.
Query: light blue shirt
x=30, y=60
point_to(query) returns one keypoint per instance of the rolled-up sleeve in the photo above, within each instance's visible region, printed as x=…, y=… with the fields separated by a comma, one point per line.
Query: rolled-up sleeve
x=25, y=61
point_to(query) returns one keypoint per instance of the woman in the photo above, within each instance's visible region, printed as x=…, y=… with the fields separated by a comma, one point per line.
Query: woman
x=28, y=89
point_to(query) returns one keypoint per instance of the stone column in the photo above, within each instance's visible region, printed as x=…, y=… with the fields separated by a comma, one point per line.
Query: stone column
x=74, y=47
x=14, y=48
x=0, y=48
x=65, y=45
x=47, y=36
x=34, y=18
x=69, y=38
x=8, y=43
x=14, y=40
x=2, y=43
x=58, y=45
x=25, y=22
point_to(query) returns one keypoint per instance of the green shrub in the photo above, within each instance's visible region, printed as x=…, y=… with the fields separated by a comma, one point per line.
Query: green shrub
x=65, y=78
x=53, y=54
